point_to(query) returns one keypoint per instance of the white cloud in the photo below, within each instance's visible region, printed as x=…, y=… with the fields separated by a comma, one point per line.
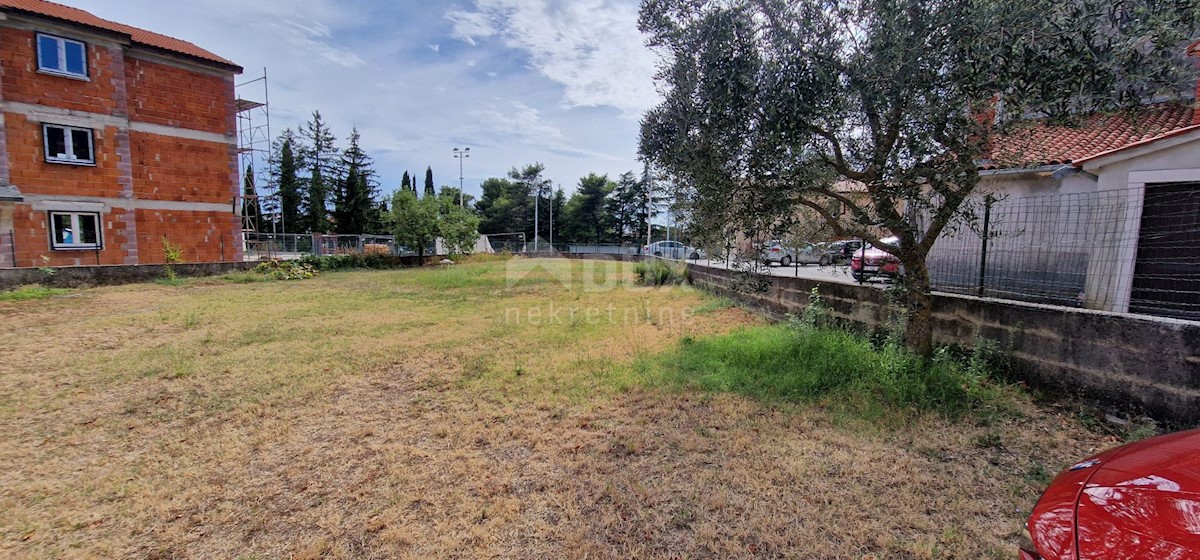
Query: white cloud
x=591, y=47
x=314, y=38
x=518, y=121
x=469, y=26
x=435, y=48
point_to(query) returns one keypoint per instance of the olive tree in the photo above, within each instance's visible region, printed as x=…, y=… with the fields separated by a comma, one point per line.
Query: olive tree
x=770, y=106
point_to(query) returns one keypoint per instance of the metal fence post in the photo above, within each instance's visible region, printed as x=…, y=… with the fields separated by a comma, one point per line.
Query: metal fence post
x=987, y=234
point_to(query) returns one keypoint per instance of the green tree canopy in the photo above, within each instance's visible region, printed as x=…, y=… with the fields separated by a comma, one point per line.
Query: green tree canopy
x=354, y=197
x=769, y=103
x=587, y=219
x=321, y=159
x=285, y=176
x=414, y=221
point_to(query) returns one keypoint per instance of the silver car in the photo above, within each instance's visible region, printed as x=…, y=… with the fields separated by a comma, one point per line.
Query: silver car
x=778, y=253
x=672, y=250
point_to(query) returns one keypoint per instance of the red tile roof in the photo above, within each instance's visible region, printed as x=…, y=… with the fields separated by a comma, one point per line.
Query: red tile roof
x=137, y=36
x=1037, y=143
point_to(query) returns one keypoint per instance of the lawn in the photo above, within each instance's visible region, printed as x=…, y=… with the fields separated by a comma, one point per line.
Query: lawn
x=505, y=409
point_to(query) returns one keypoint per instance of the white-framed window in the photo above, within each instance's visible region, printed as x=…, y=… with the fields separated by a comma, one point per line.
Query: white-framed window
x=59, y=55
x=68, y=144
x=75, y=230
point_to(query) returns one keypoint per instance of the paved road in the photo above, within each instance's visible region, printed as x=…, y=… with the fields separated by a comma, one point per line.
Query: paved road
x=834, y=273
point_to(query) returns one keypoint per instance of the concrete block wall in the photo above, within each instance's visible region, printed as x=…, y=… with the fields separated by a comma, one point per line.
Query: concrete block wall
x=1130, y=361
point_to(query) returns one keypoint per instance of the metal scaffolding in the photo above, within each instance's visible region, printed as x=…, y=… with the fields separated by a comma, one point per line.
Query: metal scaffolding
x=255, y=161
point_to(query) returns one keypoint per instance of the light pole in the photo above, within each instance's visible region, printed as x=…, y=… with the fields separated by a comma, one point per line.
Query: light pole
x=460, y=155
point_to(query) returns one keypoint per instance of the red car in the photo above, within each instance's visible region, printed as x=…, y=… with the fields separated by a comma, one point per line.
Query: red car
x=870, y=261
x=1138, y=501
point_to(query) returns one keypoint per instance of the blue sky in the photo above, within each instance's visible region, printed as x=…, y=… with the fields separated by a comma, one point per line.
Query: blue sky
x=562, y=82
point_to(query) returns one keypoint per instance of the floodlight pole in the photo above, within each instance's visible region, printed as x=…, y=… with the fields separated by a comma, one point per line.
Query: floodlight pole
x=460, y=155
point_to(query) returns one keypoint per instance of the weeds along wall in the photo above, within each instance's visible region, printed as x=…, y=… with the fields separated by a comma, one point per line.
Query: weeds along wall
x=1130, y=361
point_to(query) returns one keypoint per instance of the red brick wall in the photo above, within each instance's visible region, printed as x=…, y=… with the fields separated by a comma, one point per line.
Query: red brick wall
x=29, y=170
x=202, y=235
x=171, y=96
x=23, y=83
x=169, y=168
x=149, y=167
x=32, y=240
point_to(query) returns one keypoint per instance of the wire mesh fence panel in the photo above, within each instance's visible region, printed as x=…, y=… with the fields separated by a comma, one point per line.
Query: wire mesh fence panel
x=1166, y=281
x=1118, y=250
x=604, y=249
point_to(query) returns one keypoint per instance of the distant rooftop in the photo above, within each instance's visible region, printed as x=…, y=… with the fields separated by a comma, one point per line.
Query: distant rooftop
x=137, y=36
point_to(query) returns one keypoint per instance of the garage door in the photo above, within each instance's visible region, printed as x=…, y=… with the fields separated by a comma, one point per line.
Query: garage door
x=1166, y=278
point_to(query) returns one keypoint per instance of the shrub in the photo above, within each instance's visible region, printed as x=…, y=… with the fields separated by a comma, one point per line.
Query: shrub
x=172, y=255
x=286, y=270
x=659, y=272
x=372, y=260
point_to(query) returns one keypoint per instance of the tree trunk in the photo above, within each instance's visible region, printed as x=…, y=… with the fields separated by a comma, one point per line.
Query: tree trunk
x=918, y=332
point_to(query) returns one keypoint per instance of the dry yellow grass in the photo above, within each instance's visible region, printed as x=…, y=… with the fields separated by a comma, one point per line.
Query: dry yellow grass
x=434, y=414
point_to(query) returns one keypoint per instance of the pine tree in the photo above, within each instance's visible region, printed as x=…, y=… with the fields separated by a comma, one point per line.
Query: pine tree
x=586, y=217
x=405, y=182
x=321, y=159
x=429, y=190
x=287, y=182
x=354, y=197
x=251, y=205
x=627, y=209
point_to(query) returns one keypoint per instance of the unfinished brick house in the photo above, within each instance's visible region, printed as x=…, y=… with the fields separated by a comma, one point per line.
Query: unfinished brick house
x=114, y=139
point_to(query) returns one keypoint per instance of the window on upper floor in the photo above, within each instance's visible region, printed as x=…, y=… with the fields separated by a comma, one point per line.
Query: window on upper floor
x=67, y=144
x=65, y=57
x=74, y=230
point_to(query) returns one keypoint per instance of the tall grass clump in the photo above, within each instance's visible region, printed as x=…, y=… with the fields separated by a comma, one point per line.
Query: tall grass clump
x=843, y=371
x=658, y=272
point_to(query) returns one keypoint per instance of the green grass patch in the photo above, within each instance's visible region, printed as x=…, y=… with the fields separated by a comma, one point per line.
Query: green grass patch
x=714, y=304
x=837, y=369
x=25, y=293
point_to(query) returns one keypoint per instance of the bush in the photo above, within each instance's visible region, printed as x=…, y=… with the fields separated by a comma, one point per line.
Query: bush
x=371, y=260
x=286, y=270
x=659, y=272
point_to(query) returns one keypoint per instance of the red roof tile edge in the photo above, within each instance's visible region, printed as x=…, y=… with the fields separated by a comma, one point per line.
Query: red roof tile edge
x=1170, y=134
x=138, y=36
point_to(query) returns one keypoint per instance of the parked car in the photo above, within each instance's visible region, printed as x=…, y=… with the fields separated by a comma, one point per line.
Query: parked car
x=1140, y=500
x=776, y=252
x=870, y=261
x=672, y=250
x=841, y=251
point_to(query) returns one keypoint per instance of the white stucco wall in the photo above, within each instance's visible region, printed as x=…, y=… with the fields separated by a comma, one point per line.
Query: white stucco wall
x=1080, y=221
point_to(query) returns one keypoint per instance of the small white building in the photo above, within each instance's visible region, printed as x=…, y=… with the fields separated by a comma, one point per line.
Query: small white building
x=1104, y=214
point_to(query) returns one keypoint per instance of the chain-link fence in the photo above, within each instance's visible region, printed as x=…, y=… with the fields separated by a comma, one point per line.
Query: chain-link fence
x=291, y=245
x=1119, y=250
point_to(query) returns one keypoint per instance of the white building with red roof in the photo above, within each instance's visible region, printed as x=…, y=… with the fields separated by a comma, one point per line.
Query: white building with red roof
x=1103, y=214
